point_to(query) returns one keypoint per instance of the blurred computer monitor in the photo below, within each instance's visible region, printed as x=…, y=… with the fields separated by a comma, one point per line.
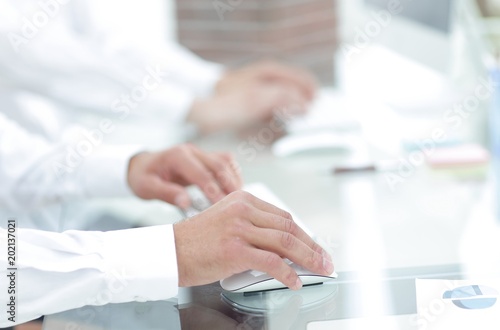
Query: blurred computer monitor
x=435, y=14
x=422, y=31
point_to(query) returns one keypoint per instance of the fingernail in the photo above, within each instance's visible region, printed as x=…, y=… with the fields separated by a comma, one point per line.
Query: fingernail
x=298, y=284
x=327, y=266
x=326, y=255
x=183, y=201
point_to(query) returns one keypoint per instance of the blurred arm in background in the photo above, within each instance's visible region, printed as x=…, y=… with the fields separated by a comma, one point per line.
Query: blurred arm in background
x=69, y=60
x=35, y=172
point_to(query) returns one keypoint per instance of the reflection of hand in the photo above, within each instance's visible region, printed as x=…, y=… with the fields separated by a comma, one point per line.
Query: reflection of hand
x=290, y=309
x=163, y=175
x=251, y=95
x=242, y=232
x=34, y=325
x=201, y=317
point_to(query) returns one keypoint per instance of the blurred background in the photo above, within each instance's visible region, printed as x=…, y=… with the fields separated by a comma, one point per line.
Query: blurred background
x=233, y=32
x=421, y=60
x=238, y=31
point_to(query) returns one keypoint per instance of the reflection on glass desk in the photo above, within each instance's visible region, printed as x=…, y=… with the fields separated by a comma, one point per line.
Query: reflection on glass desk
x=208, y=307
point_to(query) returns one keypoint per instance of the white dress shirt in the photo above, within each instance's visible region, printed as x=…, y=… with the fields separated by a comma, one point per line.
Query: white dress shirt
x=60, y=271
x=35, y=172
x=71, y=60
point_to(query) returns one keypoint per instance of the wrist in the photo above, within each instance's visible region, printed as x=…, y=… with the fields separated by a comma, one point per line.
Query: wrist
x=132, y=169
x=181, y=273
x=199, y=115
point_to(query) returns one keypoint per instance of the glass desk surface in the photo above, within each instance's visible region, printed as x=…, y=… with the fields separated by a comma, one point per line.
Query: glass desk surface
x=431, y=226
x=209, y=307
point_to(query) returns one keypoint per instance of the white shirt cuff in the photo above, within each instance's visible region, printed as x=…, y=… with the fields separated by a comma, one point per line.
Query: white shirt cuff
x=146, y=268
x=173, y=102
x=212, y=73
x=195, y=73
x=61, y=271
x=104, y=172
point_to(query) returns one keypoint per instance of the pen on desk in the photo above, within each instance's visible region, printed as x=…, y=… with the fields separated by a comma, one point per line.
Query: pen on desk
x=379, y=166
x=350, y=169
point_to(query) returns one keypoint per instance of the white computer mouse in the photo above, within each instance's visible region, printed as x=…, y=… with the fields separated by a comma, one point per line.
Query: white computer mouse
x=252, y=280
x=312, y=141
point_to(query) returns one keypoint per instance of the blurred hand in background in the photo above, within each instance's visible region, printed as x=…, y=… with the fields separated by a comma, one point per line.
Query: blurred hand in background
x=251, y=95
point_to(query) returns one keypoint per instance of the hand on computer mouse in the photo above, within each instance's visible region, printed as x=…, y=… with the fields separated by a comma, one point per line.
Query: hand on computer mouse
x=163, y=175
x=242, y=232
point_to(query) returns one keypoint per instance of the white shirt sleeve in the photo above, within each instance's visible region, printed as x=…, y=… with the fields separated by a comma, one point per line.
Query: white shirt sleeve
x=34, y=172
x=83, y=70
x=62, y=271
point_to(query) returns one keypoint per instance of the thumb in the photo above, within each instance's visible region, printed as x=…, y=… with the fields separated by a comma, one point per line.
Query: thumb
x=171, y=193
